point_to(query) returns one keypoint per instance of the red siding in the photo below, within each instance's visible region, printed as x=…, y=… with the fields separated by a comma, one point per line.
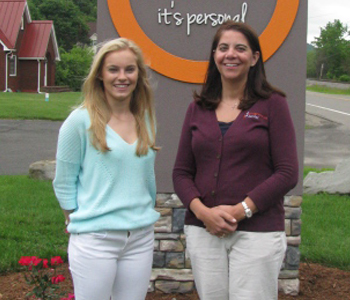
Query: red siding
x=28, y=74
x=2, y=68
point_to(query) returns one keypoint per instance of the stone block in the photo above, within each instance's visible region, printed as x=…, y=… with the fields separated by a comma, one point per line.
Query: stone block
x=167, y=236
x=288, y=227
x=292, y=258
x=294, y=240
x=172, y=274
x=296, y=227
x=288, y=274
x=43, y=170
x=155, y=245
x=332, y=182
x=164, y=212
x=178, y=219
x=151, y=287
x=292, y=212
x=289, y=286
x=171, y=246
x=293, y=201
x=168, y=200
x=174, y=287
x=163, y=224
x=175, y=260
x=187, y=260
x=158, y=259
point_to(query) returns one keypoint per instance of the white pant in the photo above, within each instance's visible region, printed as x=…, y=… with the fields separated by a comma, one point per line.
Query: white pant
x=111, y=264
x=242, y=266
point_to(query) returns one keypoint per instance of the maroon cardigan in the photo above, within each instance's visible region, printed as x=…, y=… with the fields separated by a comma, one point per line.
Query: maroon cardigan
x=257, y=157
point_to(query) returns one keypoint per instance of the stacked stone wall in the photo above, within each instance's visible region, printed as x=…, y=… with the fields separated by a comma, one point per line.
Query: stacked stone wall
x=172, y=268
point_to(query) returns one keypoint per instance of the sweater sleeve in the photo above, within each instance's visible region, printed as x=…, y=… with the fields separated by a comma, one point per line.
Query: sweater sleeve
x=70, y=149
x=185, y=167
x=283, y=154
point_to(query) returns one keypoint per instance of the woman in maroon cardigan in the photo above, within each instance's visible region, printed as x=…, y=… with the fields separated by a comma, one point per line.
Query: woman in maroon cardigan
x=236, y=160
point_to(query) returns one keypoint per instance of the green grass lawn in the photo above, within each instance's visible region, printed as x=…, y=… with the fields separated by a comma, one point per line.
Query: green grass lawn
x=31, y=222
x=327, y=90
x=33, y=106
x=325, y=231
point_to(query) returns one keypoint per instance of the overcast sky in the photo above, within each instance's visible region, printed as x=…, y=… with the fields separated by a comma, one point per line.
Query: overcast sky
x=320, y=12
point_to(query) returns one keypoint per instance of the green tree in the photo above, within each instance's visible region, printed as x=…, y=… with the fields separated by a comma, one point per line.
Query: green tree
x=74, y=67
x=332, y=49
x=88, y=8
x=69, y=22
x=34, y=10
x=311, y=67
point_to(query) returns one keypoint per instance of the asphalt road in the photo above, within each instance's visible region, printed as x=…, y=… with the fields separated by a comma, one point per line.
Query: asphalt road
x=332, y=107
x=327, y=142
x=23, y=142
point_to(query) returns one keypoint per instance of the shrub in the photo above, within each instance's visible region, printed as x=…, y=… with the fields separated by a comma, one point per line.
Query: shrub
x=74, y=67
x=344, y=78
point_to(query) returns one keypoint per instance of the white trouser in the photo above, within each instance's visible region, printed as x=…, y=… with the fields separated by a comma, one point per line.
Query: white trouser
x=242, y=266
x=111, y=264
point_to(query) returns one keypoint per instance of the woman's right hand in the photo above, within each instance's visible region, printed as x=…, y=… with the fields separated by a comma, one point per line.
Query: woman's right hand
x=217, y=221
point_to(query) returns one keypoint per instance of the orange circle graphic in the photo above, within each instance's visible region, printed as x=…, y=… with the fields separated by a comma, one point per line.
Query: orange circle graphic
x=193, y=71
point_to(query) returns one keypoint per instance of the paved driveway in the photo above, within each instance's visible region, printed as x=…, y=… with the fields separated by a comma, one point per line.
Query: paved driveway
x=23, y=142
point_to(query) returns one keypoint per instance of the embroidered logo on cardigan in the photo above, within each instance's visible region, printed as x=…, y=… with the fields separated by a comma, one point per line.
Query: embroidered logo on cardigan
x=256, y=116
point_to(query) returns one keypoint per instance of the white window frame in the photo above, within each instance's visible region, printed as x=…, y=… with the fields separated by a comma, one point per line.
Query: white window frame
x=13, y=68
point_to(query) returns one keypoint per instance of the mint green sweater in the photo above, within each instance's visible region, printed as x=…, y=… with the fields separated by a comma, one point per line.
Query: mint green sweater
x=115, y=190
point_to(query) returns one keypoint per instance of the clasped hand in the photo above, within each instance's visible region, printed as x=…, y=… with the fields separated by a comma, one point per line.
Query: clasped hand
x=218, y=221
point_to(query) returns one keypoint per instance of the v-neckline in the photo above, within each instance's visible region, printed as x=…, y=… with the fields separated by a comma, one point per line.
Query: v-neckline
x=233, y=121
x=118, y=135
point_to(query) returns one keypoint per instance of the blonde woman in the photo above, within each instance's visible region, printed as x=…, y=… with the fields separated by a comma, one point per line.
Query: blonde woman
x=105, y=181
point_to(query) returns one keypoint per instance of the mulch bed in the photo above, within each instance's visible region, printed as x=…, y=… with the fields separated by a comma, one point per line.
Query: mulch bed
x=316, y=282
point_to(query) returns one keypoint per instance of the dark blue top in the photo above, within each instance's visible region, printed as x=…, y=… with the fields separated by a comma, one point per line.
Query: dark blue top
x=224, y=127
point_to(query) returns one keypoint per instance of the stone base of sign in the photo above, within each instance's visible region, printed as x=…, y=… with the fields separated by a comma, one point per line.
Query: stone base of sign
x=172, y=267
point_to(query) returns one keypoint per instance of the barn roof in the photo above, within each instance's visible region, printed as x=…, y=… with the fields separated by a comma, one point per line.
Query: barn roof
x=36, y=39
x=11, y=12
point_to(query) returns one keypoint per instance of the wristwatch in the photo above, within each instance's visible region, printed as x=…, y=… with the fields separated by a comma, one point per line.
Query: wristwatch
x=247, y=211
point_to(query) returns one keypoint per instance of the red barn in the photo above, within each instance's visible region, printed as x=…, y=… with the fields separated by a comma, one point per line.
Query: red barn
x=28, y=49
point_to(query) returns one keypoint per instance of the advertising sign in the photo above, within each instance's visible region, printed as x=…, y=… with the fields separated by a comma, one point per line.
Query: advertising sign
x=176, y=35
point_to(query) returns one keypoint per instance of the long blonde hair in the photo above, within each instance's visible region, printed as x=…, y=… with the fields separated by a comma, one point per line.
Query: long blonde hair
x=141, y=104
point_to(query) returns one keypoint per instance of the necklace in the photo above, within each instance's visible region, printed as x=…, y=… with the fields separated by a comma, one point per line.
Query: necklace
x=233, y=106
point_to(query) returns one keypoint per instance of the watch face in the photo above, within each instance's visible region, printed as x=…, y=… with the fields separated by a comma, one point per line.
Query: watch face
x=249, y=213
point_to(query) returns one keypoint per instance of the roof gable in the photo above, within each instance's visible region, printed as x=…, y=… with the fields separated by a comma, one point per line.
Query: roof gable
x=11, y=12
x=36, y=40
x=4, y=41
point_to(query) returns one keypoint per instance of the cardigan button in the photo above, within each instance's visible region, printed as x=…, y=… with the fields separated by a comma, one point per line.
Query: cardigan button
x=213, y=193
x=218, y=156
x=215, y=174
